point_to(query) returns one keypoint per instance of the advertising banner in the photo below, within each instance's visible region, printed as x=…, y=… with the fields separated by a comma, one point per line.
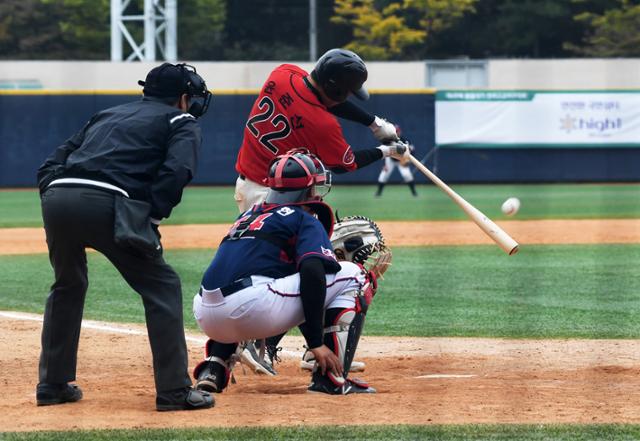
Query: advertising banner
x=537, y=118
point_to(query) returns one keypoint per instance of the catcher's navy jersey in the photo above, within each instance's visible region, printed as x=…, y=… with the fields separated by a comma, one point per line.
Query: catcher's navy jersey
x=302, y=233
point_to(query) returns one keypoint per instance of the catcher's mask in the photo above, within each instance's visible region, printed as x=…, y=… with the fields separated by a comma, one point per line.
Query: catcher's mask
x=173, y=80
x=297, y=176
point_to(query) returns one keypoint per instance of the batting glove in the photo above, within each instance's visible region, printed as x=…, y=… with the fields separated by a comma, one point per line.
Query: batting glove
x=383, y=130
x=397, y=150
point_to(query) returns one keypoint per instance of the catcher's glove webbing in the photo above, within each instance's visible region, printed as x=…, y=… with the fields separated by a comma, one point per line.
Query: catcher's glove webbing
x=359, y=240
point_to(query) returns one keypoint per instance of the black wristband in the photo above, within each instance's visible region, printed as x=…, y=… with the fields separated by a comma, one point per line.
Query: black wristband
x=367, y=156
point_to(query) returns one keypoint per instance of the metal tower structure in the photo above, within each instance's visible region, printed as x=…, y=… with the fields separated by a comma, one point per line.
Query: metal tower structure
x=159, y=21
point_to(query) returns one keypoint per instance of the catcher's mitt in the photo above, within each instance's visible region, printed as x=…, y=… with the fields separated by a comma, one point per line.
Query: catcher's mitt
x=359, y=240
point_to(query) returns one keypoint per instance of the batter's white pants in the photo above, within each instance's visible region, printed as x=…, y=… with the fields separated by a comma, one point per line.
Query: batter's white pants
x=248, y=193
x=389, y=166
x=269, y=307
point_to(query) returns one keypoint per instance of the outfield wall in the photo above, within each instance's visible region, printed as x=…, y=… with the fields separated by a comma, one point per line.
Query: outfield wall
x=32, y=124
x=574, y=73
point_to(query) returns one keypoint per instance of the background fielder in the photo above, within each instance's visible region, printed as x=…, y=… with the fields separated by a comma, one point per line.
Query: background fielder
x=390, y=164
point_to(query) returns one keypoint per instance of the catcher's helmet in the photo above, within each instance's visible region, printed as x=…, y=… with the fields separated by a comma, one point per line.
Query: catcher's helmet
x=173, y=80
x=293, y=178
x=340, y=72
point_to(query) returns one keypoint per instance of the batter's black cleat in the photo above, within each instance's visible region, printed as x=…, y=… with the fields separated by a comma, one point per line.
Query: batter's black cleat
x=211, y=376
x=332, y=385
x=57, y=393
x=184, y=398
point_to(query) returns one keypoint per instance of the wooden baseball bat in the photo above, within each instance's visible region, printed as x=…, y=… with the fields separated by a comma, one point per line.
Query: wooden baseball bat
x=496, y=233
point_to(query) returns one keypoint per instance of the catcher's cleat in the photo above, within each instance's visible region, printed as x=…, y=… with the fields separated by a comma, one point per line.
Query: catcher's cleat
x=184, y=398
x=332, y=385
x=250, y=357
x=308, y=362
x=212, y=375
x=57, y=393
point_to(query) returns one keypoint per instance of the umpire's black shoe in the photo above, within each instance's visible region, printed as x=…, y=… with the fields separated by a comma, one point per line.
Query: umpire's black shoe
x=184, y=398
x=329, y=384
x=57, y=393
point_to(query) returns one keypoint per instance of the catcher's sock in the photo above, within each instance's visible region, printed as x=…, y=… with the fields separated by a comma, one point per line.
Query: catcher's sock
x=412, y=186
x=272, y=347
x=222, y=350
x=272, y=341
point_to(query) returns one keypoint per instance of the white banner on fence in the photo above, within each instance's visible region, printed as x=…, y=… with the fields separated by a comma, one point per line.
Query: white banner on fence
x=537, y=119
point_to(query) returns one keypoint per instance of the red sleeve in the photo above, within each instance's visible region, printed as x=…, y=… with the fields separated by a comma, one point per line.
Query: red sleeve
x=332, y=148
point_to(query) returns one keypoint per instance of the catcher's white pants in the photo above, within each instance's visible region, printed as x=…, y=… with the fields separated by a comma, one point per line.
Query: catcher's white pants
x=389, y=166
x=269, y=307
x=248, y=193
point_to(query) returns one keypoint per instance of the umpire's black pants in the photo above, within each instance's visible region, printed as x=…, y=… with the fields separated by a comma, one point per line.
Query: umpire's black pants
x=76, y=218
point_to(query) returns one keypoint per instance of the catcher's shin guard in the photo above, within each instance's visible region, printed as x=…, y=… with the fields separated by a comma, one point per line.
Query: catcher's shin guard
x=213, y=373
x=342, y=338
x=343, y=333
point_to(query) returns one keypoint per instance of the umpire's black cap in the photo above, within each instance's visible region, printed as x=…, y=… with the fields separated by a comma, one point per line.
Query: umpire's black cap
x=166, y=80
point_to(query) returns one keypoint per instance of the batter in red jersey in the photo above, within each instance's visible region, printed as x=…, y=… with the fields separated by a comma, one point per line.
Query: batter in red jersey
x=296, y=109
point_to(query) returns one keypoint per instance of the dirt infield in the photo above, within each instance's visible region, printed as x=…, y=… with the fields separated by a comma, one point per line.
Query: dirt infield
x=425, y=381
x=420, y=381
x=32, y=240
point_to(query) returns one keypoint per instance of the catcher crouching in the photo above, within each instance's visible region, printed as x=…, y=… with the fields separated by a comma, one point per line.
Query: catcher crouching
x=276, y=269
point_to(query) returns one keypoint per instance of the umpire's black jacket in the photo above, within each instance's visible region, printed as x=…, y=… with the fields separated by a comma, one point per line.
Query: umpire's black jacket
x=147, y=148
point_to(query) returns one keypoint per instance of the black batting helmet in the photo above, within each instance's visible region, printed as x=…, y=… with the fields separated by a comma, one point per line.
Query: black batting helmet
x=293, y=178
x=340, y=72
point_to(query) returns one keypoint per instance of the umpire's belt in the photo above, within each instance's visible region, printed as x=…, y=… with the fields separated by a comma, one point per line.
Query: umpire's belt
x=234, y=287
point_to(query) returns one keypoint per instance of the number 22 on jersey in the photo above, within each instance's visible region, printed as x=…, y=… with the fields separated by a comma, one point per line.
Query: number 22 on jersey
x=280, y=125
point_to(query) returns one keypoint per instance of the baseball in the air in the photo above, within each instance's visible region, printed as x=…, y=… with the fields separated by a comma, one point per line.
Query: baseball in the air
x=511, y=206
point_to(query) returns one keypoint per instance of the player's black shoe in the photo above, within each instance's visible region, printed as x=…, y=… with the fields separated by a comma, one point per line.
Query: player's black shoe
x=211, y=376
x=57, y=393
x=184, y=398
x=308, y=363
x=332, y=385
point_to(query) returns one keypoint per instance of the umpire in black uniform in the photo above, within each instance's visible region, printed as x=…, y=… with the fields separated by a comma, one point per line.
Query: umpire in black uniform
x=142, y=153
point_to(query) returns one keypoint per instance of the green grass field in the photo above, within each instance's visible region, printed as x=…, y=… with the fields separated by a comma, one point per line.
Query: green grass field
x=582, y=291
x=560, y=291
x=370, y=433
x=201, y=205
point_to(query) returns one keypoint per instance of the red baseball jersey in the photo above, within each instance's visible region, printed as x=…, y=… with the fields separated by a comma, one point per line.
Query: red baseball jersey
x=287, y=115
